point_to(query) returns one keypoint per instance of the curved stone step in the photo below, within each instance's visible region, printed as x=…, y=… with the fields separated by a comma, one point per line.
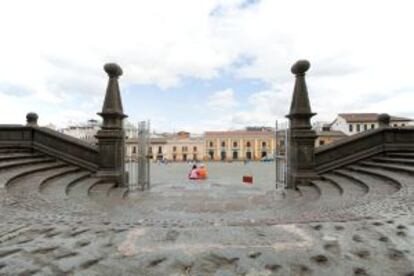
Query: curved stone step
x=350, y=187
x=406, y=161
x=24, y=162
x=60, y=173
x=15, y=156
x=79, y=190
x=407, y=155
x=8, y=175
x=328, y=189
x=117, y=193
x=309, y=193
x=392, y=167
x=401, y=181
x=14, y=149
x=56, y=187
x=378, y=184
x=100, y=191
x=29, y=182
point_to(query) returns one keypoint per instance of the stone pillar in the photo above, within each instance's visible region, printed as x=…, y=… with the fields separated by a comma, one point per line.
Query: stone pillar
x=384, y=120
x=111, y=136
x=31, y=119
x=301, y=136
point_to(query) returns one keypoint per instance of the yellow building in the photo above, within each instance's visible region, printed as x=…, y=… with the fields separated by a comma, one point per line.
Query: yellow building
x=239, y=145
x=183, y=147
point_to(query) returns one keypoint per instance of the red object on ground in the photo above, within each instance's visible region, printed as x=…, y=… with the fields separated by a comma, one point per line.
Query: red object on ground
x=248, y=179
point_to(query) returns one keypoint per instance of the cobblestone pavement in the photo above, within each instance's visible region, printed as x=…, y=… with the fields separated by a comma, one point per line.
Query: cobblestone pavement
x=215, y=227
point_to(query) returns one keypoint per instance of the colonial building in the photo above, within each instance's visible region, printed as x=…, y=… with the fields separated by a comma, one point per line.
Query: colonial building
x=183, y=147
x=325, y=137
x=85, y=131
x=157, y=148
x=352, y=123
x=239, y=145
x=172, y=147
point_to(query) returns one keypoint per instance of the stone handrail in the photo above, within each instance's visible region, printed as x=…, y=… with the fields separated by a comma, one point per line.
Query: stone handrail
x=50, y=142
x=363, y=145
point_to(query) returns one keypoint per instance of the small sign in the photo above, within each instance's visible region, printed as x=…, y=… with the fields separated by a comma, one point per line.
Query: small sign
x=248, y=179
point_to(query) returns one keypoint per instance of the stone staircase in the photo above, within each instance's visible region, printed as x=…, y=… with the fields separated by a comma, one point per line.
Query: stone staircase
x=27, y=173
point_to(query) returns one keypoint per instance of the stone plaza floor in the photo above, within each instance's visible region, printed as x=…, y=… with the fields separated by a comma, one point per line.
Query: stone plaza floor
x=219, y=226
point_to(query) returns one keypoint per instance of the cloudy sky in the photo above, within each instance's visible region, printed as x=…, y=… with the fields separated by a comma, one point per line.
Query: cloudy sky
x=206, y=64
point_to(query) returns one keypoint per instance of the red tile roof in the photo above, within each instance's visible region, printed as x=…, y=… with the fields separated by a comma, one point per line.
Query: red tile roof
x=368, y=117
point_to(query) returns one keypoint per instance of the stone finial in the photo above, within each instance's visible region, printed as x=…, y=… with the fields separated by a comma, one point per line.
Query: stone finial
x=113, y=70
x=300, y=67
x=31, y=119
x=300, y=101
x=384, y=120
x=112, y=104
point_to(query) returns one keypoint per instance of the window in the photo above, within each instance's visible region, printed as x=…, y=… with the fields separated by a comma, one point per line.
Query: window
x=234, y=144
x=402, y=125
x=223, y=144
x=395, y=125
x=211, y=144
x=235, y=155
x=263, y=144
x=184, y=148
x=195, y=149
x=321, y=142
x=159, y=150
x=174, y=148
x=351, y=128
x=365, y=127
x=372, y=126
x=195, y=157
x=134, y=149
x=248, y=144
x=358, y=127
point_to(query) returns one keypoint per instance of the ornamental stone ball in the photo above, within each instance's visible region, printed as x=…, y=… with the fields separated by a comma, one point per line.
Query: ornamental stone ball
x=31, y=119
x=384, y=119
x=300, y=67
x=113, y=70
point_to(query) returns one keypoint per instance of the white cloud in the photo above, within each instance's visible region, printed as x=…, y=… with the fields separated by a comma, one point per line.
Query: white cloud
x=222, y=99
x=54, y=51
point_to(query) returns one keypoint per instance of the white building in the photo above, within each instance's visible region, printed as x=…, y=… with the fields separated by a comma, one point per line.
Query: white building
x=352, y=123
x=86, y=131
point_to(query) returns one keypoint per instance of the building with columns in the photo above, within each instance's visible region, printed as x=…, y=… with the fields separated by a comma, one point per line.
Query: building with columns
x=238, y=145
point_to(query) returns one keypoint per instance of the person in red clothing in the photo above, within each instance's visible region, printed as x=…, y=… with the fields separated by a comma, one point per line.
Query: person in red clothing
x=202, y=172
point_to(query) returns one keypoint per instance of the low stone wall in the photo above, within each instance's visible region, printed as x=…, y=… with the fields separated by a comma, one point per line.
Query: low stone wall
x=363, y=145
x=52, y=143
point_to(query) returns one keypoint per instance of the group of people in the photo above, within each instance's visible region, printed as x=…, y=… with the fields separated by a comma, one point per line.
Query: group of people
x=198, y=172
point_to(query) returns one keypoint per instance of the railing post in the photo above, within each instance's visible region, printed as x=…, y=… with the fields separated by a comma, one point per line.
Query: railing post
x=111, y=138
x=301, y=167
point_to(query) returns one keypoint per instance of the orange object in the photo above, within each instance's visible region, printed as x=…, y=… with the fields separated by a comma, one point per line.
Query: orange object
x=202, y=173
x=248, y=179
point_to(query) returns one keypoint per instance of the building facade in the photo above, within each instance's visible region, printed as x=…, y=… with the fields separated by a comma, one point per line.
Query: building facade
x=179, y=147
x=183, y=147
x=238, y=145
x=353, y=123
x=86, y=131
x=326, y=137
